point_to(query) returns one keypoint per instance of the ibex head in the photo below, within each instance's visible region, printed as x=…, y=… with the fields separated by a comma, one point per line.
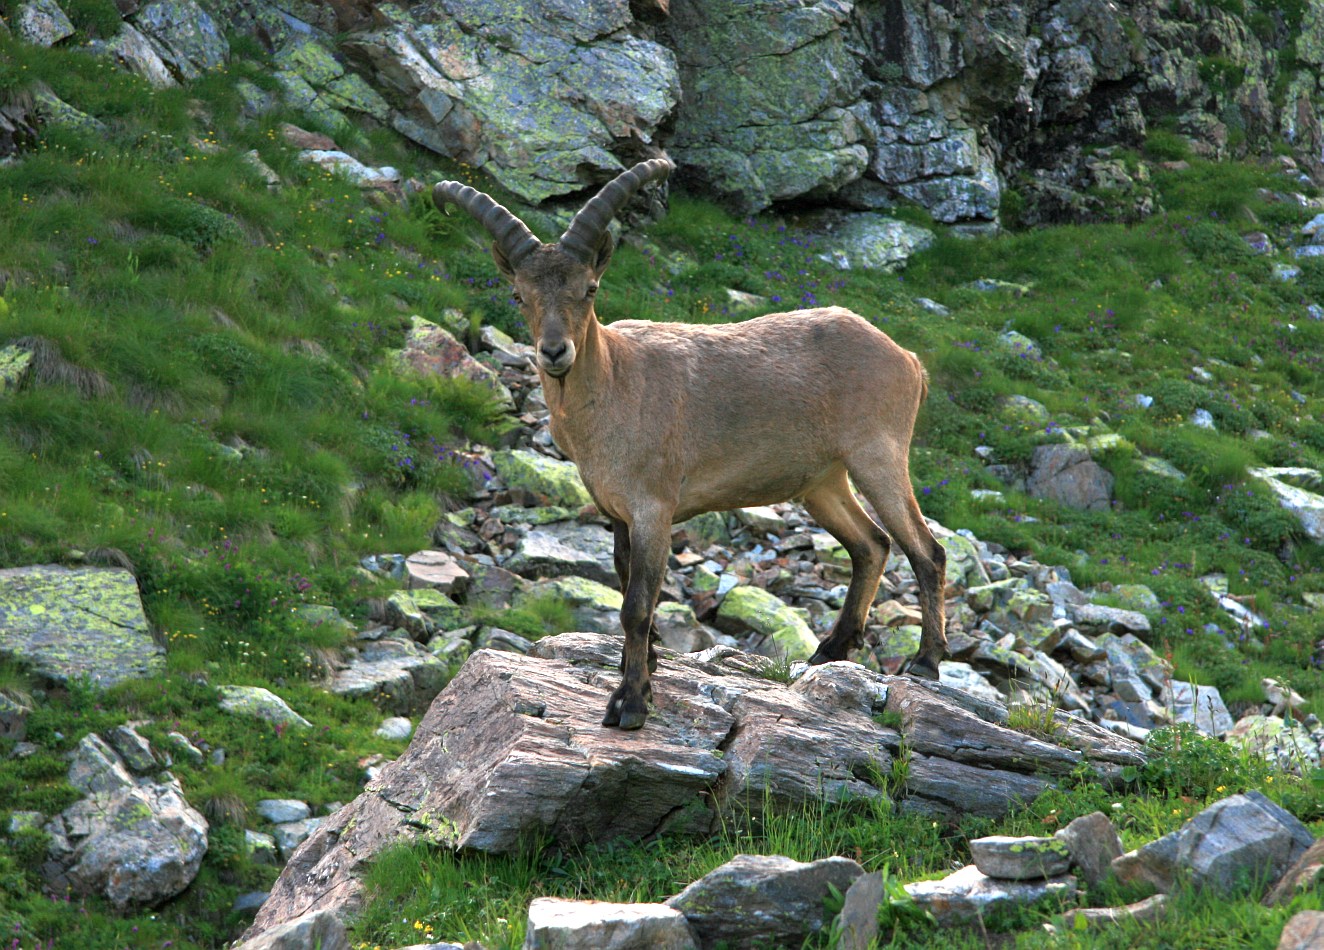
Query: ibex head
x=554, y=284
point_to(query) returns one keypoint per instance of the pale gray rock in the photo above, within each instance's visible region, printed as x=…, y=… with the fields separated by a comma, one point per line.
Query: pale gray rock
x=1201, y=706
x=394, y=672
x=868, y=241
x=540, y=554
x=557, y=924
x=318, y=930
x=290, y=834
x=754, y=898
x=1010, y=858
x=966, y=678
x=1094, y=844
x=42, y=23
x=186, y=37
x=968, y=895
x=1226, y=847
x=1096, y=618
x=341, y=163
x=133, y=846
x=761, y=519
x=397, y=728
x=184, y=747
x=1066, y=474
x=858, y=921
x=133, y=749
x=1151, y=908
x=1307, y=506
x=96, y=768
x=282, y=810
x=135, y=52
x=257, y=702
x=437, y=569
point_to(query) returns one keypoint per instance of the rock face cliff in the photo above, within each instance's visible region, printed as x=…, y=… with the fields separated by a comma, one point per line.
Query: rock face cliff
x=849, y=103
x=857, y=103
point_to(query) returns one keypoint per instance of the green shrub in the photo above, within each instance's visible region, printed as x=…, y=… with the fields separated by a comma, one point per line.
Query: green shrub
x=95, y=18
x=1167, y=146
x=1184, y=762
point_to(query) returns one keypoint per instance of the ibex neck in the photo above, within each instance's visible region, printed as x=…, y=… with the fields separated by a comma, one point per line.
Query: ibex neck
x=572, y=400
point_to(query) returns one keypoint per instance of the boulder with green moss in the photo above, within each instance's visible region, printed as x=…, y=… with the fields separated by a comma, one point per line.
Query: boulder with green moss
x=256, y=702
x=752, y=609
x=77, y=623
x=558, y=481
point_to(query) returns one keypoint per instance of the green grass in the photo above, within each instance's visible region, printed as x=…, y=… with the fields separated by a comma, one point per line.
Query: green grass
x=210, y=403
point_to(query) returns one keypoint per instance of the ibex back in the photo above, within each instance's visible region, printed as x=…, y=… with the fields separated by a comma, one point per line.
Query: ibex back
x=667, y=420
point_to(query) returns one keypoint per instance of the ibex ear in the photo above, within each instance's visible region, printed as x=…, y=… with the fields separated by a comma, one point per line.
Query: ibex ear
x=502, y=263
x=602, y=257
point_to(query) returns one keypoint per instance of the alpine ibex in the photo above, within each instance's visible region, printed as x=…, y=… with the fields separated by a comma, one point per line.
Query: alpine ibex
x=668, y=420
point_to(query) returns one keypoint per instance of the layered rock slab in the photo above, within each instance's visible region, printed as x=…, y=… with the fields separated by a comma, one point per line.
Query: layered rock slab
x=513, y=750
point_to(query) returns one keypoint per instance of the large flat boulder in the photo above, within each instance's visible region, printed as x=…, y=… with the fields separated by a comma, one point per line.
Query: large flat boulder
x=513, y=750
x=71, y=623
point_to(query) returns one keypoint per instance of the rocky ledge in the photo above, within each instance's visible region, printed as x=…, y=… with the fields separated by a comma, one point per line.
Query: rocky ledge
x=512, y=749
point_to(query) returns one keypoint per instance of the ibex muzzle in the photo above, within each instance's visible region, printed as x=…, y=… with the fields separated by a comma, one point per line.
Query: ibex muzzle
x=668, y=420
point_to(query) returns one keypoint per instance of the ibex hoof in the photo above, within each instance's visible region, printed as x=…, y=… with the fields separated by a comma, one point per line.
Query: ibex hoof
x=627, y=709
x=922, y=668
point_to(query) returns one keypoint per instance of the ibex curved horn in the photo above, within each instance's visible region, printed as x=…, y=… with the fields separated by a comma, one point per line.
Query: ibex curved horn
x=513, y=238
x=584, y=235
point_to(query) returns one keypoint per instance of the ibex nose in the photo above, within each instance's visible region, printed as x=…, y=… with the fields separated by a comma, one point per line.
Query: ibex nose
x=552, y=352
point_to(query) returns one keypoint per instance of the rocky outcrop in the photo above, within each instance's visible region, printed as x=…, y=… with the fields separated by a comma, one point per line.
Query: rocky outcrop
x=857, y=105
x=513, y=747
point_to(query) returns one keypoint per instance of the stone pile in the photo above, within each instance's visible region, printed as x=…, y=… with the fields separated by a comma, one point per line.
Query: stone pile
x=757, y=900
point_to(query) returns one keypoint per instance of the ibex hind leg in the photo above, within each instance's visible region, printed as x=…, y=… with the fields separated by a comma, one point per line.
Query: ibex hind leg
x=834, y=507
x=883, y=475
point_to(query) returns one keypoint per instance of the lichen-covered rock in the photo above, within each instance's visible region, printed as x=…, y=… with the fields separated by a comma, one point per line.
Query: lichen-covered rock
x=869, y=241
x=558, y=481
x=72, y=623
x=1094, y=845
x=133, y=845
x=14, y=361
x=256, y=702
x=540, y=97
x=746, y=609
x=135, y=52
x=755, y=899
x=1009, y=858
x=186, y=37
x=773, y=107
x=42, y=23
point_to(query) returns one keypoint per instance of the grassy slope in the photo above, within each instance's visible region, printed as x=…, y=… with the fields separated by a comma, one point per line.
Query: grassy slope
x=184, y=306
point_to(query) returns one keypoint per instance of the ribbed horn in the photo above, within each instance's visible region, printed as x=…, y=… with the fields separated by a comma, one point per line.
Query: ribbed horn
x=512, y=236
x=584, y=235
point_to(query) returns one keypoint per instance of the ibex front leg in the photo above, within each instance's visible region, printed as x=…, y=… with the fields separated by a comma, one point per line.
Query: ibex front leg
x=621, y=555
x=649, y=539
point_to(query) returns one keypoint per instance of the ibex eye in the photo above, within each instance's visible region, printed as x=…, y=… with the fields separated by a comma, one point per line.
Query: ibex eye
x=592, y=289
x=517, y=297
